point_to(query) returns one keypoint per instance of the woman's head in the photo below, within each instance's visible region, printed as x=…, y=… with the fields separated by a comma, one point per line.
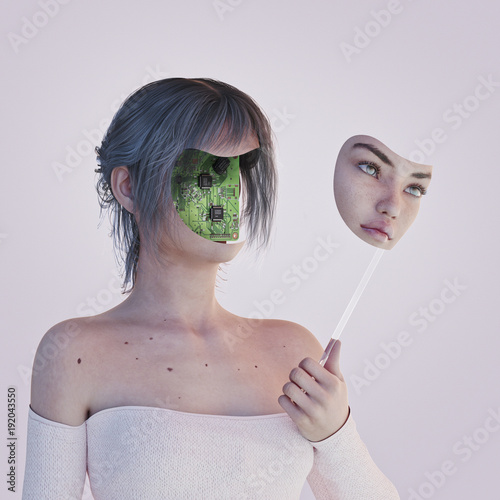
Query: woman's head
x=378, y=192
x=147, y=135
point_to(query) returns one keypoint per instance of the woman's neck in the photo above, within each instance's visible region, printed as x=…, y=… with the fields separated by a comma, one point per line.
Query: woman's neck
x=180, y=291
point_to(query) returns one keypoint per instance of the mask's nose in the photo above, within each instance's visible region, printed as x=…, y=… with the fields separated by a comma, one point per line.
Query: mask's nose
x=389, y=203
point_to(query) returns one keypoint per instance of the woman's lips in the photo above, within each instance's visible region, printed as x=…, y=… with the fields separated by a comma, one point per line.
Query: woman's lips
x=376, y=233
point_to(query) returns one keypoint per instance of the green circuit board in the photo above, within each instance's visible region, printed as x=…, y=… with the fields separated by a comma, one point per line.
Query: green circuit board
x=206, y=192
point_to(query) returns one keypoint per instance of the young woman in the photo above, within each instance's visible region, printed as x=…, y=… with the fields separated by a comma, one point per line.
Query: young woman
x=154, y=398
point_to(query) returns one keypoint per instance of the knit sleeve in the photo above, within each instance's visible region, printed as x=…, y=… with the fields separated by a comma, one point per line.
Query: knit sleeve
x=344, y=470
x=56, y=460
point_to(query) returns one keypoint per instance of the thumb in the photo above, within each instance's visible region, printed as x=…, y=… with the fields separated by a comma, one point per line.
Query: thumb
x=333, y=362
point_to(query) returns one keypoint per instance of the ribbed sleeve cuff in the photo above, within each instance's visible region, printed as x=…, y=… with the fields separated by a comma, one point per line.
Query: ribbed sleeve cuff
x=56, y=460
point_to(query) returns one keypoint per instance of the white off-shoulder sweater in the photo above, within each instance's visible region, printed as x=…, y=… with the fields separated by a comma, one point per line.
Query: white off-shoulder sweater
x=145, y=453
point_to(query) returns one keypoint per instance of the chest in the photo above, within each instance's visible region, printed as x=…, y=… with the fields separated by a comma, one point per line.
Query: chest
x=189, y=378
x=195, y=456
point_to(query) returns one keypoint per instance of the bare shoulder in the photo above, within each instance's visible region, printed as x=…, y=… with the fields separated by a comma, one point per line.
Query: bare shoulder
x=300, y=338
x=292, y=339
x=60, y=384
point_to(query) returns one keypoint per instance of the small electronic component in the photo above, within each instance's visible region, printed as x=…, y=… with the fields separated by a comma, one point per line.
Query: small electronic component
x=205, y=181
x=216, y=214
x=220, y=165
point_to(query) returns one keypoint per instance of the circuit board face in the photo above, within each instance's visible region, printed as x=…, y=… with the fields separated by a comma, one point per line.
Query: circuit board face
x=206, y=192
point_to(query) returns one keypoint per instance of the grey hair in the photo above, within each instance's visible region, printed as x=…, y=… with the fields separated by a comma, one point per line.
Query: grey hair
x=149, y=132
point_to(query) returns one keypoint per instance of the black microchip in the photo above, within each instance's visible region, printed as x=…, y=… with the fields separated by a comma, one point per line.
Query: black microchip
x=216, y=214
x=220, y=165
x=205, y=181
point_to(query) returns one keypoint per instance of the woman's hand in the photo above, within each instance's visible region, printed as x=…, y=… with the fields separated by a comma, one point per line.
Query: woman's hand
x=323, y=408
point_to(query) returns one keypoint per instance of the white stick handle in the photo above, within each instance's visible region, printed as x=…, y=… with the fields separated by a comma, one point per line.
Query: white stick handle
x=352, y=304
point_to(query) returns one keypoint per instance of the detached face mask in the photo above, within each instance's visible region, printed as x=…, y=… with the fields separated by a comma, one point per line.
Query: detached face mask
x=206, y=194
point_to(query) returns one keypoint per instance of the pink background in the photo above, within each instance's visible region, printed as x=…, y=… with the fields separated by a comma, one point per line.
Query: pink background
x=416, y=63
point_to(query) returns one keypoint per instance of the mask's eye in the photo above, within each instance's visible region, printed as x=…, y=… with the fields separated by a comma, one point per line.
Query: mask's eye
x=416, y=191
x=369, y=168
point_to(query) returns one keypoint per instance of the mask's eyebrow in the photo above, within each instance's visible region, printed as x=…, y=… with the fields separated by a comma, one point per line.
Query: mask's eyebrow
x=375, y=151
x=383, y=157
